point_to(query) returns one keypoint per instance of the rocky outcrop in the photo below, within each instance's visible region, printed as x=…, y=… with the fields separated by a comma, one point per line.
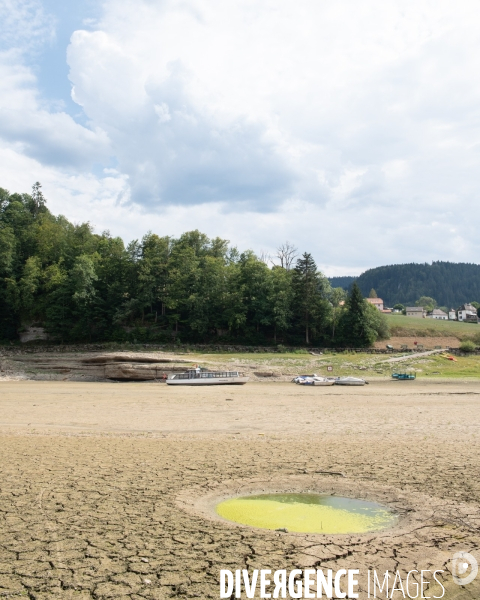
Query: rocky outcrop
x=127, y=366
x=135, y=372
x=66, y=365
x=135, y=367
x=263, y=374
x=105, y=359
x=33, y=334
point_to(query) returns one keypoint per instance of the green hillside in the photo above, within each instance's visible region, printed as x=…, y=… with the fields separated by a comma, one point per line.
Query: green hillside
x=411, y=326
x=450, y=284
x=343, y=281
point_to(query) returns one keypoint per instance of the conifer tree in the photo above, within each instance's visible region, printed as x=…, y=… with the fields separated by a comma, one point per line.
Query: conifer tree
x=311, y=289
x=355, y=325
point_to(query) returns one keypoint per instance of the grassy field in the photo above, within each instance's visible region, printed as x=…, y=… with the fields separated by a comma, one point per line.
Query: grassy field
x=359, y=365
x=411, y=326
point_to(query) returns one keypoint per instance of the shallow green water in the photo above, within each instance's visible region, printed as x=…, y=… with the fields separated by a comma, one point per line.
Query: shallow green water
x=307, y=513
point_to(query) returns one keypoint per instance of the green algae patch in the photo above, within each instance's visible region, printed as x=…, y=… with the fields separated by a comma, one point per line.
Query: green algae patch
x=307, y=513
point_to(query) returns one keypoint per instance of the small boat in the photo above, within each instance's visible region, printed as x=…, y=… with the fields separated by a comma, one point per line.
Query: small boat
x=301, y=378
x=404, y=376
x=350, y=381
x=317, y=381
x=204, y=377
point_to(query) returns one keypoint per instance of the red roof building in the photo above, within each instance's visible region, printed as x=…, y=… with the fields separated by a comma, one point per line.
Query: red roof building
x=378, y=302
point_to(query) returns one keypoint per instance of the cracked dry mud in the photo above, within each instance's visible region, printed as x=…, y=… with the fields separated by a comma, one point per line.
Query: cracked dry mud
x=107, y=490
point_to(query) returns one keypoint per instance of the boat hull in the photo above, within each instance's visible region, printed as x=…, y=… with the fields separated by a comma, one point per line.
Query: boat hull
x=212, y=381
x=350, y=381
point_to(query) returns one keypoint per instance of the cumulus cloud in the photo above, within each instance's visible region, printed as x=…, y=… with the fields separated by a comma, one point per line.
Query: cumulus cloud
x=25, y=25
x=350, y=128
x=53, y=138
x=173, y=150
x=27, y=123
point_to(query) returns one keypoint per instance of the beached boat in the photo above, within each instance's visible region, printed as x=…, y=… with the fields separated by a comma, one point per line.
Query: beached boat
x=200, y=377
x=317, y=381
x=350, y=381
x=301, y=378
x=404, y=376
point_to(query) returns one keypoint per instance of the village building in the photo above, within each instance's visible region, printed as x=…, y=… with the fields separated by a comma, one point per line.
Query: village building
x=467, y=313
x=415, y=311
x=436, y=313
x=377, y=302
x=452, y=315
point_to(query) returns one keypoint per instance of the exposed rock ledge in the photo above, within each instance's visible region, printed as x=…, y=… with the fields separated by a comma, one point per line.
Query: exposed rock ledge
x=120, y=366
x=105, y=359
x=137, y=372
x=127, y=366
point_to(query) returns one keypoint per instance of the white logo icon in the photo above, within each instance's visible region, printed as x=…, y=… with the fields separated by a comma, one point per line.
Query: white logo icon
x=464, y=568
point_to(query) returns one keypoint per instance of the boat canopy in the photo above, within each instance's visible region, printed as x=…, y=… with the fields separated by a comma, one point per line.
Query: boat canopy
x=205, y=375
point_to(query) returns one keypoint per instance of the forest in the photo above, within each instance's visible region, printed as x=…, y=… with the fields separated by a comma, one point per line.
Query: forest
x=83, y=286
x=451, y=284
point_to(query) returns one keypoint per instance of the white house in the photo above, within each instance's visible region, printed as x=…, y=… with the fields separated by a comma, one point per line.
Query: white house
x=467, y=313
x=436, y=313
x=452, y=315
x=415, y=311
x=377, y=302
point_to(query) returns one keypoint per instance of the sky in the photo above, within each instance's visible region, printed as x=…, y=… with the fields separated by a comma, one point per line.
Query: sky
x=350, y=129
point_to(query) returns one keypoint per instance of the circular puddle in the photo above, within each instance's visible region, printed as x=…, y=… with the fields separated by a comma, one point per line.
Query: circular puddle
x=307, y=513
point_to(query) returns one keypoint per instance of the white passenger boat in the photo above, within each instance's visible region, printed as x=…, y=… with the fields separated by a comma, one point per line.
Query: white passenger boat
x=198, y=377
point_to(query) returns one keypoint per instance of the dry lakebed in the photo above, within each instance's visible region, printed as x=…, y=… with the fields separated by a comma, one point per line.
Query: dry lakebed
x=108, y=490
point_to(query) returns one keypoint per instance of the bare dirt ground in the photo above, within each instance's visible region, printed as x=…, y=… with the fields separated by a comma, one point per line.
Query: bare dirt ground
x=429, y=343
x=107, y=489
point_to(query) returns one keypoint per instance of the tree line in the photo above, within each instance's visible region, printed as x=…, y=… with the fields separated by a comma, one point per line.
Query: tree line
x=451, y=284
x=83, y=286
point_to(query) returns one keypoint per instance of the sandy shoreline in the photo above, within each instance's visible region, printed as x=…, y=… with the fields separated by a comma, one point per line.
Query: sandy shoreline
x=102, y=484
x=427, y=408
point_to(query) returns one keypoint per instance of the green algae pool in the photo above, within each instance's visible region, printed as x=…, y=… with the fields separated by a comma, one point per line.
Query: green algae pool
x=307, y=513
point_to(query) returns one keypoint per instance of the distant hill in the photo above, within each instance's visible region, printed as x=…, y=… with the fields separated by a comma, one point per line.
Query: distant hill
x=450, y=284
x=343, y=282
